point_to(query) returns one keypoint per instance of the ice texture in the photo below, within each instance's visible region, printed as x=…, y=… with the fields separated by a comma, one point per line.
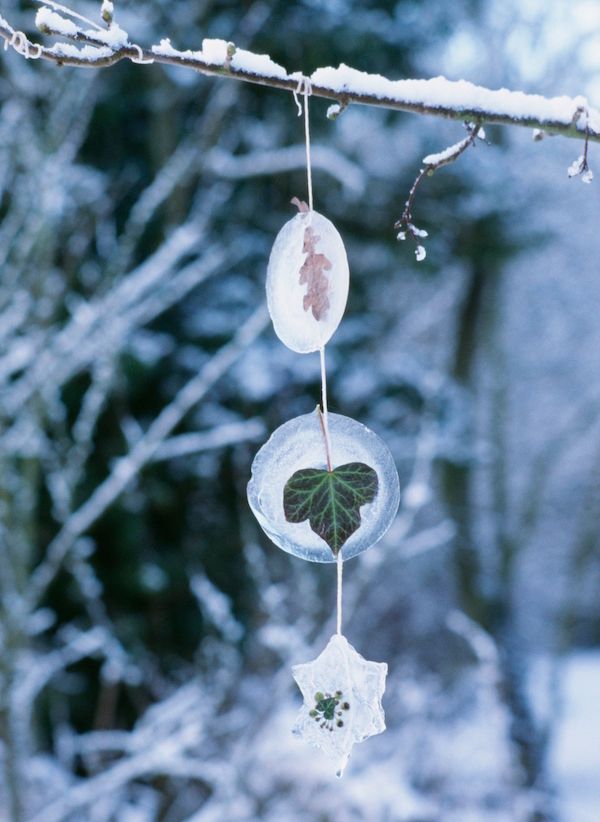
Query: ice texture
x=342, y=700
x=305, y=322
x=299, y=444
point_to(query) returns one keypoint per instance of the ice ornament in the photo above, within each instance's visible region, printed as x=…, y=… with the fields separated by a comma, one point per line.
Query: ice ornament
x=342, y=700
x=299, y=444
x=307, y=281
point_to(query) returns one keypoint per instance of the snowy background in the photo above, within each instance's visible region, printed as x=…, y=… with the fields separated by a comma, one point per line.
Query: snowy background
x=147, y=626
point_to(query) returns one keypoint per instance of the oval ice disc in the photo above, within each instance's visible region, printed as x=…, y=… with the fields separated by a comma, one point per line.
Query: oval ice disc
x=307, y=282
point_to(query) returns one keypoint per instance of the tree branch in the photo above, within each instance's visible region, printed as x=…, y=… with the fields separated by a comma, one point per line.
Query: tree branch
x=128, y=467
x=456, y=100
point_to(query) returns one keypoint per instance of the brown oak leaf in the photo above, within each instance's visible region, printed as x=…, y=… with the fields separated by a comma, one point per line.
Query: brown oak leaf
x=313, y=270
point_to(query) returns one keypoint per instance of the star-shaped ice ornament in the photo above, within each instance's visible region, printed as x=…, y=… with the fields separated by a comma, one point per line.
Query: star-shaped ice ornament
x=342, y=700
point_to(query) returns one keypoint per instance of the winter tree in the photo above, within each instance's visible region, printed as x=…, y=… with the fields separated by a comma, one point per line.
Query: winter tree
x=147, y=628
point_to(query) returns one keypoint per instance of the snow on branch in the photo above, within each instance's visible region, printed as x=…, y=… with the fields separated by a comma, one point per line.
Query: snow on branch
x=94, y=46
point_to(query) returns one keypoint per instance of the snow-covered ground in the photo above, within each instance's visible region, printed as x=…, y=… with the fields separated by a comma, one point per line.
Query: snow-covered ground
x=574, y=759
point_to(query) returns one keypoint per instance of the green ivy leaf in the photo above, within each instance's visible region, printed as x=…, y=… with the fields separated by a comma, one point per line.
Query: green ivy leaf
x=330, y=500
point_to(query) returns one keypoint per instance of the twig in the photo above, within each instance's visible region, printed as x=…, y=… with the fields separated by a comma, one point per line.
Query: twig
x=431, y=164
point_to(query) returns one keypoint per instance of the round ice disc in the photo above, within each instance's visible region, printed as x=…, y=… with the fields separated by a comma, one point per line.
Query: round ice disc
x=307, y=282
x=299, y=444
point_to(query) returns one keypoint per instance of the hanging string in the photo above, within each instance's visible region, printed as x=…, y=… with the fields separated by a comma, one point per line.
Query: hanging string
x=304, y=87
x=324, y=409
x=340, y=569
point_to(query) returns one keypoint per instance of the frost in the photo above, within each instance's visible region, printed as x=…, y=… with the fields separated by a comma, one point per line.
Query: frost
x=420, y=253
x=580, y=166
x=299, y=444
x=576, y=167
x=333, y=111
x=342, y=700
x=307, y=282
x=418, y=232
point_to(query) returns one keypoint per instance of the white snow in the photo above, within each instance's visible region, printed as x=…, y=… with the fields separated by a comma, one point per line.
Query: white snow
x=575, y=751
x=165, y=49
x=215, y=51
x=420, y=253
x=261, y=64
x=299, y=444
x=47, y=19
x=86, y=52
x=446, y=154
x=114, y=36
x=575, y=167
x=107, y=8
x=443, y=94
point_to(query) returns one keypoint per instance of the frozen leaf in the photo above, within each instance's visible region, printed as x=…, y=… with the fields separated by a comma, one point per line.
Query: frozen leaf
x=313, y=274
x=330, y=500
x=298, y=445
x=587, y=176
x=342, y=700
x=420, y=253
x=307, y=280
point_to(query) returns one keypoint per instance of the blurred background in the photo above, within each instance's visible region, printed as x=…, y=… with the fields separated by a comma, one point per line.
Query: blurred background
x=147, y=626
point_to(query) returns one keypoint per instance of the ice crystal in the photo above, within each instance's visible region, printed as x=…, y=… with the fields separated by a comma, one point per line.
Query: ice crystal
x=342, y=700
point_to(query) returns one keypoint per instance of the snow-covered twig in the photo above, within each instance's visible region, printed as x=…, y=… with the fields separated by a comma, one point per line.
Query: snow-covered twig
x=432, y=163
x=456, y=100
x=276, y=161
x=219, y=437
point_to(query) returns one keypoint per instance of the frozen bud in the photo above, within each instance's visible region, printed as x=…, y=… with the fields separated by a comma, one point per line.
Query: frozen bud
x=576, y=167
x=107, y=11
